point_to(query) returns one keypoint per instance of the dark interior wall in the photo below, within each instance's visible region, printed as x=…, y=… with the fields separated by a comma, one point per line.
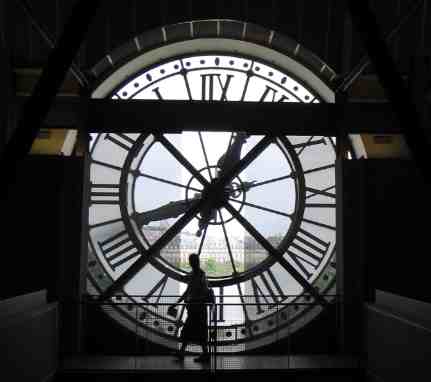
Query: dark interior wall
x=408, y=309
x=41, y=219
x=390, y=324
x=29, y=336
x=395, y=213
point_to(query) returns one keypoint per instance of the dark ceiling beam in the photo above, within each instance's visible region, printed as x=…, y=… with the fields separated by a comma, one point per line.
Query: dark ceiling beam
x=396, y=91
x=37, y=107
x=347, y=80
x=50, y=41
x=254, y=118
x=105, y=115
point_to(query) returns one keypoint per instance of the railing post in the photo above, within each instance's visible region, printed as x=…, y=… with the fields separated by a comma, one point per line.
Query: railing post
x=288, y=339
x=136, y=335
x=215, y=339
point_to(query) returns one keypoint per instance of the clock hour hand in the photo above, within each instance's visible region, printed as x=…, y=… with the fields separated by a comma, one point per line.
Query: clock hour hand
x=167, y=211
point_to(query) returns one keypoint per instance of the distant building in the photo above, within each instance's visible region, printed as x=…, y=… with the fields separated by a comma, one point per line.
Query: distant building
x=245, y=250
x=254, y=253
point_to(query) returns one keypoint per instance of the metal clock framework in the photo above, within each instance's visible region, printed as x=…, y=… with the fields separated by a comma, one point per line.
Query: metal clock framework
x=142, y=185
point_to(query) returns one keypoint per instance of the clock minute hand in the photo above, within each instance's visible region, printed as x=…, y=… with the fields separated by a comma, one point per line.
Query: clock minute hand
x=167, y=211
x=225, y=163
x=232, y=154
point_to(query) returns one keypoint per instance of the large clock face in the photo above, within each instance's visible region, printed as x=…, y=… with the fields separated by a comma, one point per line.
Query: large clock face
x=142, y=184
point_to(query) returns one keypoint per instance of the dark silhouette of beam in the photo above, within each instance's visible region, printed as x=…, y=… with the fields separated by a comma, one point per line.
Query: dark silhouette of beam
x=37, y=107
x=105, y=115
x=349, y=79
x=50, y=41
x=392, y=82
x=139, y=116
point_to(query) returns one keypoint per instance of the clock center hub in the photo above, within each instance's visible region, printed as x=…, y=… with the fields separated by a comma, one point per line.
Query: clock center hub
x=236, y=190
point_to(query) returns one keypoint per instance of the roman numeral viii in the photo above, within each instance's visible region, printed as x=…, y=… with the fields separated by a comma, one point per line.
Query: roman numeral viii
x=267, y=291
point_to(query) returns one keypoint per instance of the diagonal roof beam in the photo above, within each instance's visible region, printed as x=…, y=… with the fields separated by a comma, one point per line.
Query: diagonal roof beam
x=390, y=78
x=350, y=78
x=43, y=32
x=37, y=107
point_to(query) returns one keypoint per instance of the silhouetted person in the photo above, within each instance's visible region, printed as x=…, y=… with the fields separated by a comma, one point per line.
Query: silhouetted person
x=195, y=328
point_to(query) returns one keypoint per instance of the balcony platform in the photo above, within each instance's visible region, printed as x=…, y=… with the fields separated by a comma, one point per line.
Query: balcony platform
x=165, y=363
x=230, y=368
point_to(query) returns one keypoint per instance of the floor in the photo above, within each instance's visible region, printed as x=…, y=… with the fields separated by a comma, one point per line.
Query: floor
x=223, y=362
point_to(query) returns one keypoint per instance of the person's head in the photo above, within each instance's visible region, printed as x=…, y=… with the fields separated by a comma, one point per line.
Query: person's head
x=194, y=261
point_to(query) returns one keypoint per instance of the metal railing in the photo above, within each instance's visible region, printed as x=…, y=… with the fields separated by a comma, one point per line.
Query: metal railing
x=143, y=327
